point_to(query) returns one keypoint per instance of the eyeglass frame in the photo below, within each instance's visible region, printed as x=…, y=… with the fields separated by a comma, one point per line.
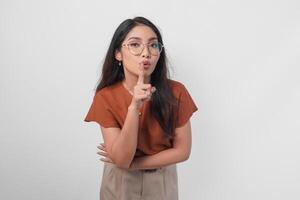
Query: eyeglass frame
x=162, y=46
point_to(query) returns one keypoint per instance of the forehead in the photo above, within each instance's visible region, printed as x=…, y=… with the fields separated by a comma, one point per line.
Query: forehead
x=141, y=31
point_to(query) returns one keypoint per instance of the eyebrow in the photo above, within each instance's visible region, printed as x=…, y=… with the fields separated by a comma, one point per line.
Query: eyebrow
x=137, y=38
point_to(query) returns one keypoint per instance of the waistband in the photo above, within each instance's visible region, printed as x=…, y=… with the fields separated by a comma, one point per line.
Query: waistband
x=150, y=170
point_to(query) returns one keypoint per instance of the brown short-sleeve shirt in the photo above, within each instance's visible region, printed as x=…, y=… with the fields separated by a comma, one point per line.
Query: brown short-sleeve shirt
x=109, y=109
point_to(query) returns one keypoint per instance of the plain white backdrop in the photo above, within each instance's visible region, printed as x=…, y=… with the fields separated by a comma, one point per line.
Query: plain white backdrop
x=239, y=60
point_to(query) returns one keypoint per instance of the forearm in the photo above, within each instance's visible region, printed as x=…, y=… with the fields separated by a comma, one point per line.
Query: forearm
x=124, y=147
x=161, y=159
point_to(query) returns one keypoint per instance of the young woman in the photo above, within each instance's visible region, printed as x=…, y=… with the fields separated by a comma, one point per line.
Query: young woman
x=143, y=115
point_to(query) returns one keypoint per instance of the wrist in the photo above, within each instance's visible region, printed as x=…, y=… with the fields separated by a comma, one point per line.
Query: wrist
x=133, y=109
x=134, y=105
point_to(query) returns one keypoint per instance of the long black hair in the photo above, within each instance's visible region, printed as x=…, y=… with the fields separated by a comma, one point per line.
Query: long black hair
x=163, y=103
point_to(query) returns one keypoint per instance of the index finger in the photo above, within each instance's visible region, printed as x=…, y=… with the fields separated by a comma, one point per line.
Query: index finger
x=141, y=74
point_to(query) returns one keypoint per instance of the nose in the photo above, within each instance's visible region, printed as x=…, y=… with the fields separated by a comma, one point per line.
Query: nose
x=146, y=52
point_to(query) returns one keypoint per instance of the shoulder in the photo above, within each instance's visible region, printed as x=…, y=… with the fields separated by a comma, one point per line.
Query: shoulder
x=107, y=93
x=185, y=104
x=177, y=87
x=175, y=84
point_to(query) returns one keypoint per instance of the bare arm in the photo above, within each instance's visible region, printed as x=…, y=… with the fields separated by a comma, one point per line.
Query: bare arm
x=179, y=153
x=121, y=144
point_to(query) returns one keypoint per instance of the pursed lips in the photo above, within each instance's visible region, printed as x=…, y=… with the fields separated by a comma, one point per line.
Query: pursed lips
x=146, y=64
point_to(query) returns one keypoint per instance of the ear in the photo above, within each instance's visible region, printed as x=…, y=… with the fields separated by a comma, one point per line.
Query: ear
x=118, y=55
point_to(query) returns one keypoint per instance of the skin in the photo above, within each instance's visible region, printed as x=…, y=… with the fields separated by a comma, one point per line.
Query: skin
x=119, y=146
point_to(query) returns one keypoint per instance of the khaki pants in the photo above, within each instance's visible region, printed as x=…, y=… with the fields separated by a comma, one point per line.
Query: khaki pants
x=121, y=184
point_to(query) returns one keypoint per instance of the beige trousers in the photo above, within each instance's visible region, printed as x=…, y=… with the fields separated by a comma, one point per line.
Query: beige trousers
x=121, y=184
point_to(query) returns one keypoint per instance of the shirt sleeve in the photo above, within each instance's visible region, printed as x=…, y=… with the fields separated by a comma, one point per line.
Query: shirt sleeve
x=186, y=107
x=101, y=113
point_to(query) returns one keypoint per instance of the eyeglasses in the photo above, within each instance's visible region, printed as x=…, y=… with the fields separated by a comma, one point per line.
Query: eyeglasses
x=136, y=48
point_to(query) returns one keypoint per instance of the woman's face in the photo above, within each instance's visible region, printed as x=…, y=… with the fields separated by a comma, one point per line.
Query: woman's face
x=139, y=35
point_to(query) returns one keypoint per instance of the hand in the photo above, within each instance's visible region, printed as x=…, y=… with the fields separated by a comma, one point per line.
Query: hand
x=142, y=92
x=104, y=153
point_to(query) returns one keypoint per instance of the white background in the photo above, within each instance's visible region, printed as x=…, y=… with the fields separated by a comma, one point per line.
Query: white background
x=239, y=60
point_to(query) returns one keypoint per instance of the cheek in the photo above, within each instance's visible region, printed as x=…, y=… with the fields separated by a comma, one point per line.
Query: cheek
x=130, y=63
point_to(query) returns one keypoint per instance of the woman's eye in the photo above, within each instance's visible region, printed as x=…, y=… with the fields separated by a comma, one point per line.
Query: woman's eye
x=135, y=45
x=154, y=45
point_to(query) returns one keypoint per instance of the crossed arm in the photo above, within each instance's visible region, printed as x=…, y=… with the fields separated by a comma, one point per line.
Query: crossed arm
x=178, y=153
